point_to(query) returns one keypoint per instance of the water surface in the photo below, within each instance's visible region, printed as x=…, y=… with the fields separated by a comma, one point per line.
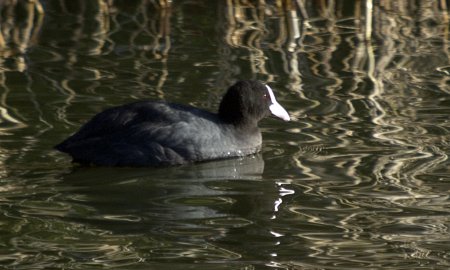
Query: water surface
x=359, y=179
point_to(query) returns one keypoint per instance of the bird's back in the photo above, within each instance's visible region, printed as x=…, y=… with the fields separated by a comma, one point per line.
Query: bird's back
x=156, y=133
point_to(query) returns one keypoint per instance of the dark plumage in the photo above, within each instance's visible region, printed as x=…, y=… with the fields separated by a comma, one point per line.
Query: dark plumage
x=153, y=133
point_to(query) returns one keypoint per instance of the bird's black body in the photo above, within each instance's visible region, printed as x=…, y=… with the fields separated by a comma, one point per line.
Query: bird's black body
x=154, y=133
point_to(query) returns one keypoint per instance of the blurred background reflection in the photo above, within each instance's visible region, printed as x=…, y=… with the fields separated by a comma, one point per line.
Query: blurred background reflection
x=359, y=178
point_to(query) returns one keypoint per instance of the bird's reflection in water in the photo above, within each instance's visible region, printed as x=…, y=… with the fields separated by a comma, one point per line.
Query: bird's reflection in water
x=167, y=200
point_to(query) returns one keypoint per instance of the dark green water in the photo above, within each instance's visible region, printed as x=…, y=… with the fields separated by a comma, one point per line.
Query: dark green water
x=359, y=179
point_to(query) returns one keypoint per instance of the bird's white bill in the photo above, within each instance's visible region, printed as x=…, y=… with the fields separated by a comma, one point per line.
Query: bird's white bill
x=275, y=108
x=279, y=111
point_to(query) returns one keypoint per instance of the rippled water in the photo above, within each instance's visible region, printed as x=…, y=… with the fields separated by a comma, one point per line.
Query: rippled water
x=359, y=179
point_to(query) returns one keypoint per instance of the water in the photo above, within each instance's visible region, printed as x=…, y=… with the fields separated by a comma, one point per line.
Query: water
x=359, y=179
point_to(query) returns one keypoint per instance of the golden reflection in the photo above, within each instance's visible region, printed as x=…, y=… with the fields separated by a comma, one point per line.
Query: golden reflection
x=20, y=24
x=389, y=115
x=381, y=89
x=151, y=24
x=245, y=29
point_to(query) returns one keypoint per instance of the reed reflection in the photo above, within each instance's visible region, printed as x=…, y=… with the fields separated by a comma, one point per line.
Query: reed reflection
x=376, y=128
x=20, y=24
x=137, y=33
x=349, y=102
x=389, y=136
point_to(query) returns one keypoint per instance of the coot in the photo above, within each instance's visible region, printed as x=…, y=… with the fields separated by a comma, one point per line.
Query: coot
x=154, y=133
